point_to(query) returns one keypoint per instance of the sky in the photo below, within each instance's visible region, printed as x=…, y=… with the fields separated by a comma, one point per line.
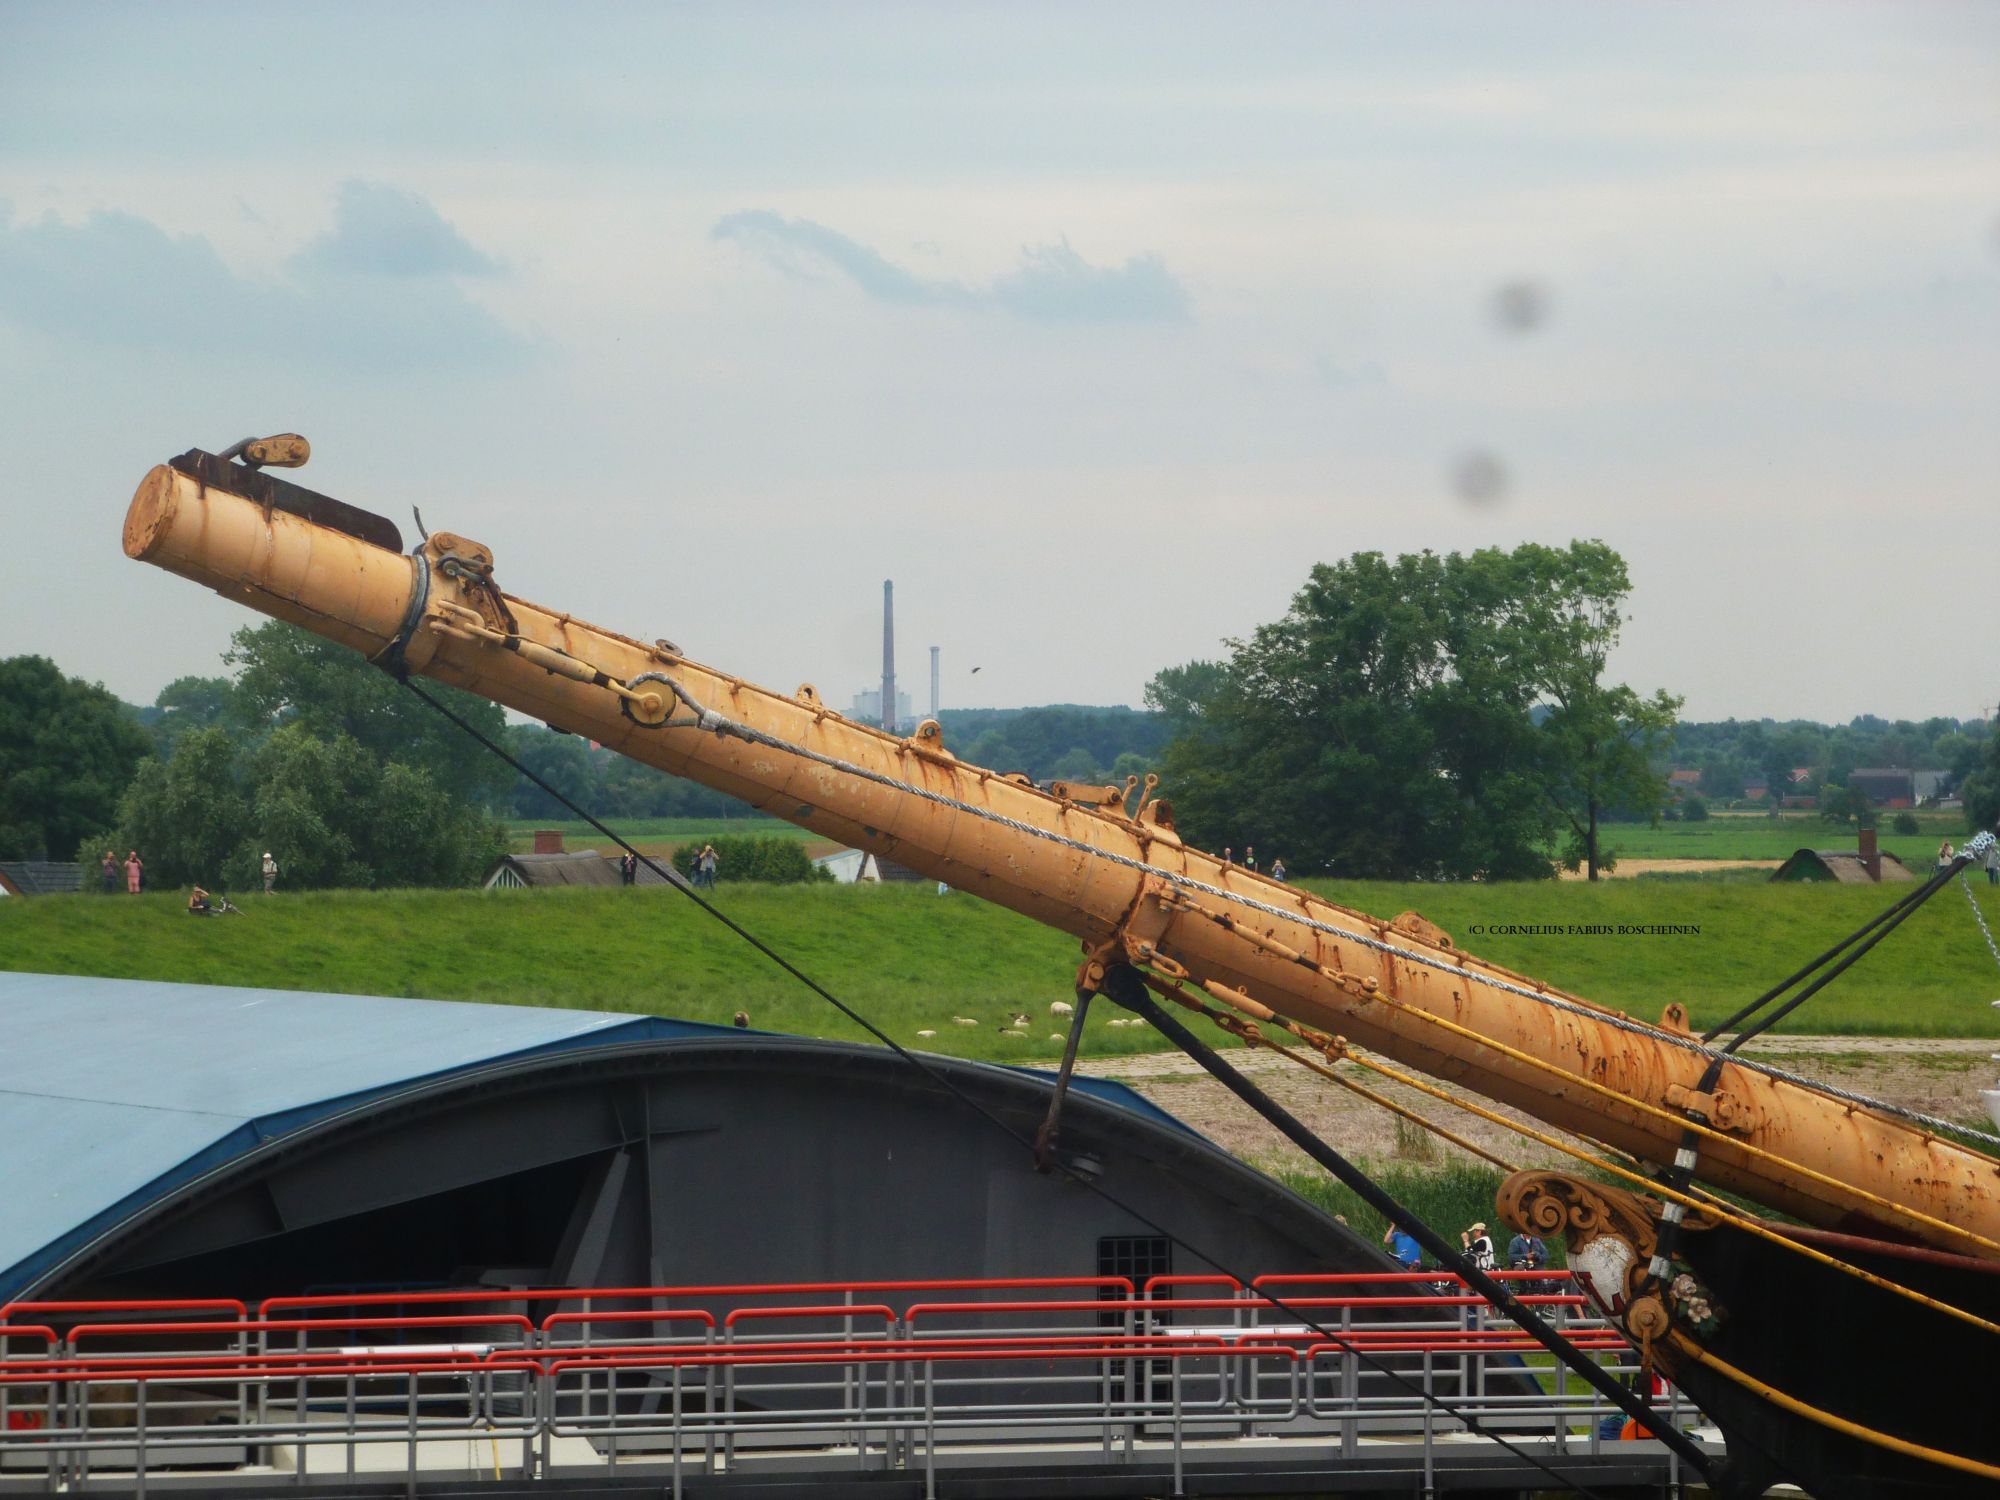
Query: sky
x=1092, y=326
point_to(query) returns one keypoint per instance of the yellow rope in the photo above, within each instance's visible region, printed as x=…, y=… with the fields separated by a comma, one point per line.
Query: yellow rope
x=1577, y=1080
x=1827, y=1419
x=1687, y=1346
x=1328, y=1044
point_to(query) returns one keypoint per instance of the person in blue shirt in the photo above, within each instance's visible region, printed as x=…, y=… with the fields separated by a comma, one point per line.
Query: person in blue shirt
x=1403, y=1247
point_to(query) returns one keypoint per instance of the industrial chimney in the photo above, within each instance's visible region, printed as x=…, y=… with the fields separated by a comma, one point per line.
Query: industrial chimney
x=934, y=702
x=889, y=655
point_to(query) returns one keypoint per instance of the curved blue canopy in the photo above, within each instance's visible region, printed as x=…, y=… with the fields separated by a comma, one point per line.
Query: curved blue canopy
x=114, y=1092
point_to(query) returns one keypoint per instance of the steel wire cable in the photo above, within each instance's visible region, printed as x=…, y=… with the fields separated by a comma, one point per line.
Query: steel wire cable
x=1690, y=1454
x=716, y=723
x=1980, y=917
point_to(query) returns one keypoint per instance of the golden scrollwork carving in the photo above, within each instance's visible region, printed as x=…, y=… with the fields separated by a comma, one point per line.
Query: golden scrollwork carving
x=1551, y=1203
x=1547, y=1203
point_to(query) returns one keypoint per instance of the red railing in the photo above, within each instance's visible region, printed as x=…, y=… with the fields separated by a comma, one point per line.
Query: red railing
x=1403, y=1297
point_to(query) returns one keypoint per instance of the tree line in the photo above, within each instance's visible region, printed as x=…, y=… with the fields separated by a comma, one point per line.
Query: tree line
x=1424, y=716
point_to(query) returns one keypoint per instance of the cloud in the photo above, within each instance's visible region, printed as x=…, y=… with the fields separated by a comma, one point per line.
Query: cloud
x=119, y=280
x=801, y=248
x=1054, y=284
x=1058, y=285
x=379, y=230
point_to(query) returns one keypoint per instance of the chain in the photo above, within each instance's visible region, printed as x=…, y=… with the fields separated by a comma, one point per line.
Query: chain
x=1980, y=917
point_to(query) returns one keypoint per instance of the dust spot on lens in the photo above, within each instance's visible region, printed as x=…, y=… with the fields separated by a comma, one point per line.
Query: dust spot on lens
x=1478, y=478
x=1520, y=306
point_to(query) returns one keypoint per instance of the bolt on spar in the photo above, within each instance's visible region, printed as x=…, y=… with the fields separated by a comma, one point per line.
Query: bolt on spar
x=1076, y=858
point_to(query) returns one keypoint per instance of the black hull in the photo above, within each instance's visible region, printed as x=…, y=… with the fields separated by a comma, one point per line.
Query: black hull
x=1852, y=1350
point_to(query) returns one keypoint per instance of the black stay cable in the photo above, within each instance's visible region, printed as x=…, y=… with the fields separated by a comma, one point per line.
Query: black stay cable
x=1689, y=1452
x=1131, y=994
x=1810, y=965
x=1893, y=915
x=1936, y=884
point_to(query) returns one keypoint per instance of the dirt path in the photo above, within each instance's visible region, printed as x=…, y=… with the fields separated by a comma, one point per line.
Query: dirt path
x=1941, y=1076
x=1625, y=868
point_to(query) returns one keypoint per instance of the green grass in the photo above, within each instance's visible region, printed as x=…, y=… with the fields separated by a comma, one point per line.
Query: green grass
x=1932, y=977
x=1448, y=1198
x=913, y=960
x=1755, y=836
x=904, y=956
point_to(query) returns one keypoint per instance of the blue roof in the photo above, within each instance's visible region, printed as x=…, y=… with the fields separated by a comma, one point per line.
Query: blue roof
x=114, y=1092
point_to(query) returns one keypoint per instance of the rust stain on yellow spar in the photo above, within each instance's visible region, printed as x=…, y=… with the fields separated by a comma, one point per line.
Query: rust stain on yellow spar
x=455, y=625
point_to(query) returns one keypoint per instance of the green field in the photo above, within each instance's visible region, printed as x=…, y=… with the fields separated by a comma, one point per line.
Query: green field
x=913, y=960
x=655, y=835
x=1755, y=836
x=1721, y=836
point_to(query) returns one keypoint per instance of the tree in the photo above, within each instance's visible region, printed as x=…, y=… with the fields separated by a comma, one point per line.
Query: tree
x=563, y=761
x=1844, y=804
x=285, y=674
x=326, y=809
x=194, y=703
x=68, y=749
x=186, y=813
x=1426, y=716
x=1982, y=790
x=1078, y=765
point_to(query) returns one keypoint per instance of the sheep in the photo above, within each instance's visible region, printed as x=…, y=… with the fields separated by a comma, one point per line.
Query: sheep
x=1019, y=1018
x=1057, y=1036
x=1061, y=1008
x=927, y=1033
x=963, y=1021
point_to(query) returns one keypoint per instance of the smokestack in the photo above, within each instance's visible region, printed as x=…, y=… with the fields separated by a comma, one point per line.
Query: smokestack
x=934, y=702
x=889, y=655
x=1871, y=856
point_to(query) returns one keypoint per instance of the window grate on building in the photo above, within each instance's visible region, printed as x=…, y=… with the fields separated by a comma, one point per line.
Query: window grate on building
x=1134, y=1256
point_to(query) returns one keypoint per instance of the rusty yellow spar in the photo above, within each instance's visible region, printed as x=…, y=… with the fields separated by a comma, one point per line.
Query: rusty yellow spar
x=438, y=612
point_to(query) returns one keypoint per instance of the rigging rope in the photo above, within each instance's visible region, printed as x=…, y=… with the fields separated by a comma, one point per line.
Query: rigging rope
x=715, y=723
x=1871, y=1435
x=1716, y=1208
x=1627, y=1402
x=1625, y=1100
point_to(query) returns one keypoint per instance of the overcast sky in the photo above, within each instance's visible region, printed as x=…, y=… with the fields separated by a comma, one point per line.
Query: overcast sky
x=1093, y=327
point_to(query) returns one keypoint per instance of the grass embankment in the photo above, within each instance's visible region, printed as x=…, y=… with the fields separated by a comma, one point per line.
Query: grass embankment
x=1757, y=836
x=1932, y=977
x=913, y=960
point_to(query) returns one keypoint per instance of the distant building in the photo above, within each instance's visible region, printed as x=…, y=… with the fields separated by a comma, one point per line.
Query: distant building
x=43, y=877
x=1864, y=865
x=867, y=707
x=1797, y=789
x=1884, y=786
x=1930, y=786
x=552, y=865
x=1683, y=780
x=1756, y=789
x=849, y=866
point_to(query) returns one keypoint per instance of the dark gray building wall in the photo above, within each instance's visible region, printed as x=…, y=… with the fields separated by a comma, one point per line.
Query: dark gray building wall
x=759, y=1159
